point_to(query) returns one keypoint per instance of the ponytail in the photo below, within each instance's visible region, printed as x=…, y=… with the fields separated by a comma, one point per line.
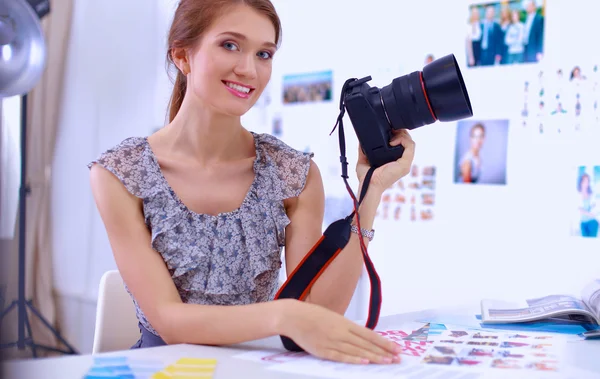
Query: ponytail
x=177, y=95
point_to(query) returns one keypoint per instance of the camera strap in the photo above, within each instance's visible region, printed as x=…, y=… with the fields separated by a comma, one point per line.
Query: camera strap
x=333, y=241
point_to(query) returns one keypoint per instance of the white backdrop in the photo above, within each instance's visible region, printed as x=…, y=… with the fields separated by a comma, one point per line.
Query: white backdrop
x=484, y=241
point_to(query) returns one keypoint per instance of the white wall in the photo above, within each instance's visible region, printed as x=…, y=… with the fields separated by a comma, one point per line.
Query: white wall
x=110, y=95
x=485, y=241
x=502, y=241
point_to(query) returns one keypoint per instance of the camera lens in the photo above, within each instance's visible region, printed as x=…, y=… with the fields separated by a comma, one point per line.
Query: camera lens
x=446, y=89
x=421, y=98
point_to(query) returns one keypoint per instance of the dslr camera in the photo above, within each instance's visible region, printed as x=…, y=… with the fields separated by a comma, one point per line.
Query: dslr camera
x=410, y=101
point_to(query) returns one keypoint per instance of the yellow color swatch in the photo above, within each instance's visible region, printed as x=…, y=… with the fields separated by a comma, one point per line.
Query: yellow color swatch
x=188, y=368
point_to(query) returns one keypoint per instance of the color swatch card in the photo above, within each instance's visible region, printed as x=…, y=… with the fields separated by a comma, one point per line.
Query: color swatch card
x=121, y=367
x=487, y=350
x=188, y=368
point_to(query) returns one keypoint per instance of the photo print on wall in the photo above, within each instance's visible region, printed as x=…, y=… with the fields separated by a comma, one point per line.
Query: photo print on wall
x=277, y=122
x=308, y=87
x=505, y=33
x=481, y=152
x=563, y=102
x=587, y=211
x=410, y=199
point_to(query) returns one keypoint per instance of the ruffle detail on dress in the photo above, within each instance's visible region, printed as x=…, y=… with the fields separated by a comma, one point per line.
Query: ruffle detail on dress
x=130, y=162
x=283, y=170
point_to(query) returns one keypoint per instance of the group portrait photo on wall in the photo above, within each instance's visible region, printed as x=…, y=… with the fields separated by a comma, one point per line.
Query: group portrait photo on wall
x=481, y=152
x=505, y=32
x=308, y=87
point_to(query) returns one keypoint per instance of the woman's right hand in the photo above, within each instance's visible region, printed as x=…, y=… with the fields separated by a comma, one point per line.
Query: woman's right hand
x=329, y=335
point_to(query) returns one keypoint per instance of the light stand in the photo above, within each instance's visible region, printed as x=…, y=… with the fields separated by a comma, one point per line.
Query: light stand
x=21, y=16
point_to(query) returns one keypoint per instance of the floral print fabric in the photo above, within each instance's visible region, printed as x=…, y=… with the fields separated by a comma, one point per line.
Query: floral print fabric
x=231, y=258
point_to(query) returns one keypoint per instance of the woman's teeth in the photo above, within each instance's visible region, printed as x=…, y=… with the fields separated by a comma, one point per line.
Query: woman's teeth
x=238, y=87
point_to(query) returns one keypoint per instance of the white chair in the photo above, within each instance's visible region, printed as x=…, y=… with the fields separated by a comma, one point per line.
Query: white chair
x=116, y=322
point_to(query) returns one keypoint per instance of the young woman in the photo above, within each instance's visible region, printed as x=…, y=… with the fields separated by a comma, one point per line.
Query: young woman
x=197, y=213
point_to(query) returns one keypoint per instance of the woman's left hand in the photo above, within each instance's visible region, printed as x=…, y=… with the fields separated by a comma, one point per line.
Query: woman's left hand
x=388, y=174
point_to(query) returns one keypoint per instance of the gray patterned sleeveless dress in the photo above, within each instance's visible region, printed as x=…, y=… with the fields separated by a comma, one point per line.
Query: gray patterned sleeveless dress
x=232, y=258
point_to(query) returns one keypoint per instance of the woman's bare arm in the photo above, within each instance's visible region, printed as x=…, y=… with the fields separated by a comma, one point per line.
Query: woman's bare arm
x=319, y=331
x=147, y=277
x=336, y=286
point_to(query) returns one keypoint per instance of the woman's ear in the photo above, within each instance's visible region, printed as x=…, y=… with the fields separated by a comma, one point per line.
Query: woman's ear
x=181, y=60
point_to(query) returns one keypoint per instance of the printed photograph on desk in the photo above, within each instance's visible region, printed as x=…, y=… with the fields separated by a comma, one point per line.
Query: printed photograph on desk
x=505, y=32
x=586, y=207
x=308, y=87
x=412, y=198
x=411, y=337
x=490, y=350
x=481, y=152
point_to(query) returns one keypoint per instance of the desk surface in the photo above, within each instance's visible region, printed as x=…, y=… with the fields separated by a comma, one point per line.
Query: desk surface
x=580, y=354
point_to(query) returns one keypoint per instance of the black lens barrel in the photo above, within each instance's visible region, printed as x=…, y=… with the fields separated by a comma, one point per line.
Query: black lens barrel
x=421, y=98
x=446, y=89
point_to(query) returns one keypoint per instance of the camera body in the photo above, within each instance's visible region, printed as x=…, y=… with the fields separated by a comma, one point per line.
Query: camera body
x=371, y=123
x=410, y=101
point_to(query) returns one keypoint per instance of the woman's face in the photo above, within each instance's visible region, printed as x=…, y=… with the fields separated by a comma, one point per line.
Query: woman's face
x=515, y=17
x=477, y=137
x=474, y=14
x=231, y=66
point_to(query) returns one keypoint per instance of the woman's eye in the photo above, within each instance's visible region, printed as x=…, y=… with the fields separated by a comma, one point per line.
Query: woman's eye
x=265, y=55
x=230, y=46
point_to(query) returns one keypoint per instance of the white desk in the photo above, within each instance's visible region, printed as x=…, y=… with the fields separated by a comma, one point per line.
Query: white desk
x=584, y=355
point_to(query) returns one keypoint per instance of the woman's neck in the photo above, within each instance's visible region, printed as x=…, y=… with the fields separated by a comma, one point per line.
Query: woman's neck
x=206, y=136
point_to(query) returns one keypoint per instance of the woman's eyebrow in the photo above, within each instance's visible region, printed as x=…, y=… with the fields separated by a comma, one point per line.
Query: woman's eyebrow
x=244, y=38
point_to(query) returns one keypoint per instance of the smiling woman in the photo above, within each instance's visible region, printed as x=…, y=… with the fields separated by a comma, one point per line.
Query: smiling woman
x=197, y=214
x=191, y=42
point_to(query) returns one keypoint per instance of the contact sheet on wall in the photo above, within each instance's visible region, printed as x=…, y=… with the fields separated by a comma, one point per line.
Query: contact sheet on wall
x=562, y=102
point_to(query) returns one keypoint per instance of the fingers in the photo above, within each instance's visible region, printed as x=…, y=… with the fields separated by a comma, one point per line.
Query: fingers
x=402, y=137
x=399, y=136
x=358, y=354
x=375, y=339
x=338, y=356
x=373, y=348
x=363, y=348
x=409, y=149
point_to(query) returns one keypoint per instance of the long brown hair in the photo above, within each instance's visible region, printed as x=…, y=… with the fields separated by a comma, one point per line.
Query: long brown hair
x=192, y=18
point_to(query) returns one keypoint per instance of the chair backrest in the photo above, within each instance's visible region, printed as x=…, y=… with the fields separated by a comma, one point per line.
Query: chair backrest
x=116, y=321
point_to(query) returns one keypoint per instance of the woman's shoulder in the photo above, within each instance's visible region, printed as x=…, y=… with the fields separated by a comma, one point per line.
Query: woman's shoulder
x=274, y=146
x=132, y=163
x=127, y=150
x=286, y=166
